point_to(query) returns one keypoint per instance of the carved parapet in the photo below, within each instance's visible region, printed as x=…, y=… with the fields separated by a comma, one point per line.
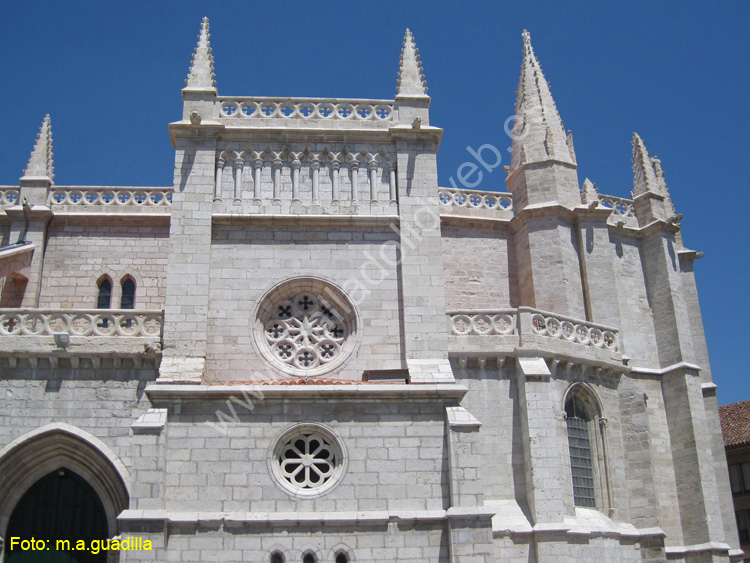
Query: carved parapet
x=477, y=332
x=110, y=197
x=73, y=334
x=494, y=205
x=313, y=112
x=9, y=195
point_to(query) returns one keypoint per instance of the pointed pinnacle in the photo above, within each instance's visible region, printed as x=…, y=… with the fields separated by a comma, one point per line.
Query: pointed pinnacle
x=589, y=193
x=40, y=163
x=537, y=120
x=644, y=178
x=411, y=80
x=201, y=75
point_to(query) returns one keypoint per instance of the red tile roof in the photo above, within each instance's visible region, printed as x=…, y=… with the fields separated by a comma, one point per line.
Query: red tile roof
x=735, y=423
x=305, y=381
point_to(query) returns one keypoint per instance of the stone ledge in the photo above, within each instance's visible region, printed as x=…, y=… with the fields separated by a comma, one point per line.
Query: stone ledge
x=287, y=518
x=365, y=391
x=305, y=219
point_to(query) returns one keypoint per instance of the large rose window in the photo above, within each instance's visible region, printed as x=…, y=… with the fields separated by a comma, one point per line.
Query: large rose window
x=306, y=327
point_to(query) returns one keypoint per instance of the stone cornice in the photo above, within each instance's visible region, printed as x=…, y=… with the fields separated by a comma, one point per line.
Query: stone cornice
x=311, y=517
x=294, y=220
x=363, y=391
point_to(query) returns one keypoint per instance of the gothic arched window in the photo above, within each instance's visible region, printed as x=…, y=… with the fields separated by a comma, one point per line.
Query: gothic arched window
x=580, y=446
x=342, y=558
x=104, y=298
x=277, y=557
x=128, y=294
x=309, y=558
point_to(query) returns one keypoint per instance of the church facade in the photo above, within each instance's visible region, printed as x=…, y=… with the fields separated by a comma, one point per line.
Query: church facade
x=306, y=350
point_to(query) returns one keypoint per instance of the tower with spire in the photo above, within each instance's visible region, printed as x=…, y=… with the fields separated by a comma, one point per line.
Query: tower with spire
x=543, y=180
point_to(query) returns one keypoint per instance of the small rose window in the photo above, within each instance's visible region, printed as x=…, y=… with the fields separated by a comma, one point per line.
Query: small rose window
x=308, y=460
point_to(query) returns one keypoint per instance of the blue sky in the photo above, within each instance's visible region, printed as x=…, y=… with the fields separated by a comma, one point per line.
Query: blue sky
x=110, y=75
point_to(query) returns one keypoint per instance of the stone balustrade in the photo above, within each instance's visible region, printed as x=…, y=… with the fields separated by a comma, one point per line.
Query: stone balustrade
x=623, y=207
x=81, y=322
x=502, y=332
x=9, y=195
x=499, y=322
x=306, y=109
x=498, y=202
x=576, y=331
x=111, y=196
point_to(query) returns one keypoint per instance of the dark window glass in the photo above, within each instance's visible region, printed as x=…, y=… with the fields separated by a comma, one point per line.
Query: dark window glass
x=579, y=444
x=309, y=558
x=743, y=526
x=342, y=558
x=128, y=294
x=277, y=558
x=105, y=295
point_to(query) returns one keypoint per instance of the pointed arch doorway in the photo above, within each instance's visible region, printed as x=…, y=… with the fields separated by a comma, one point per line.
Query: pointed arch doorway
x=60, y=506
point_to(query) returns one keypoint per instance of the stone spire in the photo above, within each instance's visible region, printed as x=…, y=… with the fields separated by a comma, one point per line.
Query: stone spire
x=538, y=132
x=40, y=163
x=644, y=177
x=648, y=179
x=411, y=80
x=201, y=76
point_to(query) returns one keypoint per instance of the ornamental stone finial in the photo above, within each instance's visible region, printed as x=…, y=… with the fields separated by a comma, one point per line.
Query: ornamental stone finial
x=40, y=164
x=411, y=81
x=201, y=75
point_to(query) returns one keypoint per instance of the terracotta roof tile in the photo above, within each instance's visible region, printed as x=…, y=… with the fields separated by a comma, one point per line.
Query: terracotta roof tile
x=306, y=381
x=735, y=423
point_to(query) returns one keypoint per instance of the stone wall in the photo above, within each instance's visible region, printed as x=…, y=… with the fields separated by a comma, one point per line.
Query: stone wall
x=78, y=255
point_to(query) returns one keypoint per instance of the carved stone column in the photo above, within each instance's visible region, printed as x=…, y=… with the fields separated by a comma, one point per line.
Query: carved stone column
x=354, y=167
x=315, y=167
x=372, y=167
x=257, y=170
x=335, y=168
x=296, y=165
x=219, y=173
x=277, y=164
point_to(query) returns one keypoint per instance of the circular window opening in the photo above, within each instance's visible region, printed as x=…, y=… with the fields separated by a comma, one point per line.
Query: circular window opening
x=308, y=460
x=305, y=327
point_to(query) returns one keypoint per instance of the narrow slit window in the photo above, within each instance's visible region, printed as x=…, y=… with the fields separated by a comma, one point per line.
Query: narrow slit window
x=579, y=443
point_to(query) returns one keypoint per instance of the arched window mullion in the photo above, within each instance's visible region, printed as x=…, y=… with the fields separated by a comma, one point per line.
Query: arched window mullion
x=578, y=423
